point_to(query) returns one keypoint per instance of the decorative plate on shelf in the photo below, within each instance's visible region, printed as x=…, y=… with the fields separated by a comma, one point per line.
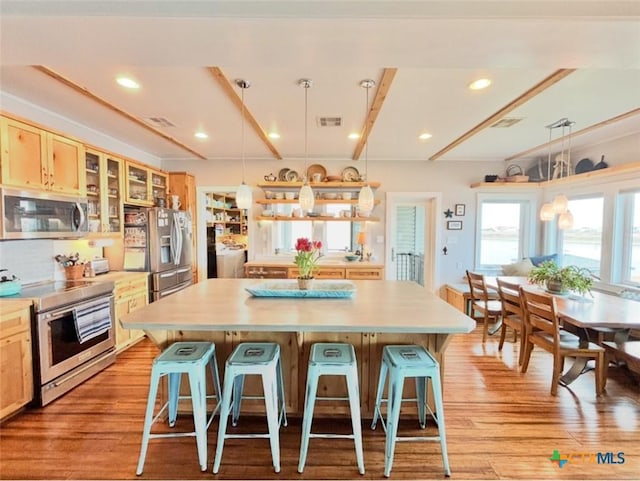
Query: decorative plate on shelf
x=350, y=174
x=292, y=176
x=282, y=175
x=289, y=288
x=316, y=169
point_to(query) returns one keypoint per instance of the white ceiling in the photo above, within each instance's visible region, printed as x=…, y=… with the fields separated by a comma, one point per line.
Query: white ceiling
x=438, y=47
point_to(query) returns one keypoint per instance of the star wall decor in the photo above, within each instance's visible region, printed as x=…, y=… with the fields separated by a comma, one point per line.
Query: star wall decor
x=448, y=214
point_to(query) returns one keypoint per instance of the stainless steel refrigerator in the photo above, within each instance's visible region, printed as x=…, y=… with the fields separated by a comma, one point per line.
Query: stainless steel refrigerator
x=158, y=240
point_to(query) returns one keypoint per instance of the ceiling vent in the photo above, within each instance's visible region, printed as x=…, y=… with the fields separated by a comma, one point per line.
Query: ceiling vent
x=329, y=121
x=506, y=122
x=159, y=122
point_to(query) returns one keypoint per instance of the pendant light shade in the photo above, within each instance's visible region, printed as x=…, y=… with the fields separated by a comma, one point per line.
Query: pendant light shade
x=243, y=192
x=243, y=196
x=306, y=197
x=365, y=197
x=547, y=213
x=565, y=221
x=560, y=204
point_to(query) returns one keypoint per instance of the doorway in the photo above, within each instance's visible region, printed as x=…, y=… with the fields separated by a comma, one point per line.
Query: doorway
x=411, y=233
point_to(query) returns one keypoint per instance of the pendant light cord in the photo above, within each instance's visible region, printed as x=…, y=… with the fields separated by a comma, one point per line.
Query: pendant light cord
x=242, y=87
x=306, y=126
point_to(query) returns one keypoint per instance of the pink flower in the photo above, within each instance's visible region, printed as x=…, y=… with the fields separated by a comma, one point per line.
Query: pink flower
x=307, y=256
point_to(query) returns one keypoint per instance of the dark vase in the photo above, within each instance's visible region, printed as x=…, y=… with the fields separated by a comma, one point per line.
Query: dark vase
x=554, y=286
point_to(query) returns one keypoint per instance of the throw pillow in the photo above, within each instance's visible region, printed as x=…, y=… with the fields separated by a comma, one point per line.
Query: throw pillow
x=536, y=261
x=521, y=268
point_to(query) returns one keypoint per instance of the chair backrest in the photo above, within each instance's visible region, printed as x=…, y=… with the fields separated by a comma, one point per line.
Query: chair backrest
x=540, y=314
x=477, y=287
x=509, y=293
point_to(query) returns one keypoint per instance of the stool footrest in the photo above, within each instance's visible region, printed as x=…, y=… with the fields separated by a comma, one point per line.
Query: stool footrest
x=331, y=398
x=331, y=436
x=247, y=436
x=418, y=438
x=172, y=435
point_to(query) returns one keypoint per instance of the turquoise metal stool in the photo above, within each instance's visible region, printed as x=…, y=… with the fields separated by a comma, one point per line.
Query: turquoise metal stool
x=402, y=362
x=180, y=358
x=333, y=359
x=263, y=359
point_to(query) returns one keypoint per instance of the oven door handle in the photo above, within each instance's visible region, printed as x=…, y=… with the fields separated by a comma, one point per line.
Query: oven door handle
x=63, y=311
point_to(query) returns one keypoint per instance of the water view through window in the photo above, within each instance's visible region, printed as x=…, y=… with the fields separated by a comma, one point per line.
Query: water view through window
x=582, y=245
x=500, y=233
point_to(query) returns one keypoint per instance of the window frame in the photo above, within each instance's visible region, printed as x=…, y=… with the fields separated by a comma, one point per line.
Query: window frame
x=624, y=243
x=528, y=218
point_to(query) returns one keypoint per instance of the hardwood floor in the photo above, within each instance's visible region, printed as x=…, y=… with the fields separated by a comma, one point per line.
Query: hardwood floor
x=500, y=425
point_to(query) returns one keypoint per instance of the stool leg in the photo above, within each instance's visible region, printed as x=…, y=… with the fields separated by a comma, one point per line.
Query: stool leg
x=174, y=393
x=269, y=385
x=148, y=419
x=238, y=387
x=215, y=376
x=309, y=404
x=393, y=416
x=382, y=378
x=421, y=397
x=227, y=392
x=437, y=394
x=197, y=383
x=354, y=404
x=283, y=404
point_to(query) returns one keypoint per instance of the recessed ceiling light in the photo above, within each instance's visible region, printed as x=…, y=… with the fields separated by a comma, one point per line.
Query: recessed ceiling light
x=128, y=83
x=480, y=84
x=354, y=136
x=274, y=135
x=201, y=135
x=424, y=136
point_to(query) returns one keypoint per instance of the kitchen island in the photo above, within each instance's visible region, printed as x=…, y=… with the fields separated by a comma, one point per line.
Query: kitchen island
x=379, y=313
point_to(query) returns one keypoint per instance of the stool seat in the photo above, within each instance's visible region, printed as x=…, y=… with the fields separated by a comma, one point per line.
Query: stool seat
x=258, y=358
x=189, y=358
x=332, y=359
x=400, y=362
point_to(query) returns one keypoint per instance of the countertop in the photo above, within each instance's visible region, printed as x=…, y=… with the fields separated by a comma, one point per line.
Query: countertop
x=286, y=261
x=224, y=304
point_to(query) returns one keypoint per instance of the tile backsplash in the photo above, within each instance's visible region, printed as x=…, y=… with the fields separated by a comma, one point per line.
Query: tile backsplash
x=33, y=260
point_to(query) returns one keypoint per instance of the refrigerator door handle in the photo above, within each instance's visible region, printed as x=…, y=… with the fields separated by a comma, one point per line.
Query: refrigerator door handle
x=175, y=243
x=176, y=218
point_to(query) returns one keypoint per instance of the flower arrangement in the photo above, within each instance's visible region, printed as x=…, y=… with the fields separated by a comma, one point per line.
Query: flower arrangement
x=307, y=257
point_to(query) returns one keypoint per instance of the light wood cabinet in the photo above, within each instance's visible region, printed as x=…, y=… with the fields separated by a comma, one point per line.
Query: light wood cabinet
x=367, y=273
x=104, y=192
x=130, y=293
x=145, y=185
x=37, y=159
x=183, y=185
x=321, y=273
x=16, y=372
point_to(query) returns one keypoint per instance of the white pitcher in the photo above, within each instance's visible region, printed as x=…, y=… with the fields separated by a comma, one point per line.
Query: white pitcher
x=175, y=202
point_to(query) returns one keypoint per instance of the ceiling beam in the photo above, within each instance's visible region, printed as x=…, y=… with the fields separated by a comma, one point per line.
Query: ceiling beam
x=232, y=95
x=577, y=133
x=384, y=84
x=514, y=104
x=87, y=93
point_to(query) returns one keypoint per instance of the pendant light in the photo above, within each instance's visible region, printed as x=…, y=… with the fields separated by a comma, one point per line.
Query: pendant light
x=243, y=193
x=305, y=197
x=365, y=197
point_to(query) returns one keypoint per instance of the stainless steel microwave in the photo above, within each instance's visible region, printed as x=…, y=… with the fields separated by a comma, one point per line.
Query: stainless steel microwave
x=30, y=214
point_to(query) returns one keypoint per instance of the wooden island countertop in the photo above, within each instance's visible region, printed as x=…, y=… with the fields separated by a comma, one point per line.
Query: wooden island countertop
x=378, y=314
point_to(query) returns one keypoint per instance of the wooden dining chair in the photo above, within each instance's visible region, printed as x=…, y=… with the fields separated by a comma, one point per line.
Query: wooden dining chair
x=543, y=330
x=512, y=315
x=481, y=302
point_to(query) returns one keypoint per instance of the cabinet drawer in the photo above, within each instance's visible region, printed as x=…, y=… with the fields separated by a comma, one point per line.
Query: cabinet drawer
x=322, y=273
x=14, y=321
x=363, y=274
x=129, y=287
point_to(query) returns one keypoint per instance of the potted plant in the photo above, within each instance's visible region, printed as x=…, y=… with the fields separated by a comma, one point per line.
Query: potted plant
x=308, y=253
x=561, y=279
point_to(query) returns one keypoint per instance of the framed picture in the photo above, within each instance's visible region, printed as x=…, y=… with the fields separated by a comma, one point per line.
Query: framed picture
x=454, y=224
x=459, y=210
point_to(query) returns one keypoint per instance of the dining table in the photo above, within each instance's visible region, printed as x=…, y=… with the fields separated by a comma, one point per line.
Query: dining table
x=586, y=316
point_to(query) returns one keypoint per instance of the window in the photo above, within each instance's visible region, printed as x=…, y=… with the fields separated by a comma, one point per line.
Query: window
x=338, y=234
x=582, y=245
x=631, y=239
x=503, y=231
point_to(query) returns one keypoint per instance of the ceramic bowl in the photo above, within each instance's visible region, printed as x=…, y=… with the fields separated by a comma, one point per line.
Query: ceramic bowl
x=352, y=258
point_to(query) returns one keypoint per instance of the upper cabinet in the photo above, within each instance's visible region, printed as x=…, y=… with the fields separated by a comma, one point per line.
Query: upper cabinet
x=281, y=199
x=104, y=192
x=145, y=185
x=37, y=159
x=184, y=186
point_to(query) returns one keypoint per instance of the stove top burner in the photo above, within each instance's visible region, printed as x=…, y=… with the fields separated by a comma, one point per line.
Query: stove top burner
x=53, y=294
